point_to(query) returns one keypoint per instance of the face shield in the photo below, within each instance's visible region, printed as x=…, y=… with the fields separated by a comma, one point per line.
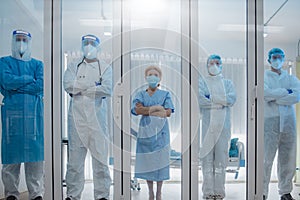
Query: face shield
x=90, y=46
x=21, y=45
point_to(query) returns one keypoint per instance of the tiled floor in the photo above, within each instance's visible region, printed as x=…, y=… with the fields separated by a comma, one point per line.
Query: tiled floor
x=171, y=191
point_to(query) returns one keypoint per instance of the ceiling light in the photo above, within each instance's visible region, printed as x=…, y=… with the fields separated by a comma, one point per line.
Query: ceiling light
x=107, y=33
x=95, y=22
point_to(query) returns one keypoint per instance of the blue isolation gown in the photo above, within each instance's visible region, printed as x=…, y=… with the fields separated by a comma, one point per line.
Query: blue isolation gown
x=153, y=138
x=22, y=112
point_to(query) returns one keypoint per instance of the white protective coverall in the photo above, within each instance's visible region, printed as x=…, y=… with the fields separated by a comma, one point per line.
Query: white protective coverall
x=216, y=96
x=87, y=126
x=280, y=128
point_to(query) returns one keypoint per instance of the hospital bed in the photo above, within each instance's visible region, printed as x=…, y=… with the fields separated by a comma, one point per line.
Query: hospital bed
x=236, y=160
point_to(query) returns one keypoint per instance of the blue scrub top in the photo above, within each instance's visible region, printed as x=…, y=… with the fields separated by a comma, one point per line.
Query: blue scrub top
x=22, y=113
x=153, y=138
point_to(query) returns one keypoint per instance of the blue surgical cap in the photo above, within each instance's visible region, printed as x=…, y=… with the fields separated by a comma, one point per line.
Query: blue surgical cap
x=21, y=32
x=91, y=37
x=214, y=56
x=275, y=51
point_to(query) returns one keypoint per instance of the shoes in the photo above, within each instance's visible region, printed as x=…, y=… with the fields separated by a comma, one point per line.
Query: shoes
x=218, y=197
x=11, y=198
x=287, y=197
x=264, y=197
x=209, y=197
x=103, y=199
x=214, y=197
x=38, y=198
x=68, y=198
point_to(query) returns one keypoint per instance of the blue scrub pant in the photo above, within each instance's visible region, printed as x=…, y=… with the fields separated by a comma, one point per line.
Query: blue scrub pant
x=34, y=176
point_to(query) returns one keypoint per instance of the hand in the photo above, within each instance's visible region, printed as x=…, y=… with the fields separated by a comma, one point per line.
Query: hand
x=290, y=91
x=156, y=108
x=139, y=104
x=161, y=113
x=207, y=96
x=97, y=83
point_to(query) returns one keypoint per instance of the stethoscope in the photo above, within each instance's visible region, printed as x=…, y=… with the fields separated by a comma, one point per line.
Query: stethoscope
x=100, y=74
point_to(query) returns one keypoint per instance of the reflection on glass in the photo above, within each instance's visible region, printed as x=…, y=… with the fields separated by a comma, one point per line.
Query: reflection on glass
x=281, y=49
x=156, y=40
x=79, y=19
x=225, y=35
x=281, y=92
x=170, y=65
x=216, y=96
x=21, y=79
x=153, y=137
x=88, y=81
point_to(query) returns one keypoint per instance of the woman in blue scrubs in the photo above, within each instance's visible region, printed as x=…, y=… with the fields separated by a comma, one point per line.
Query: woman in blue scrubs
x=153, y=138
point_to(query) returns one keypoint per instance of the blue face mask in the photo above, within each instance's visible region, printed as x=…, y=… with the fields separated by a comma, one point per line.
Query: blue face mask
x=276, y=64
x=152, y=81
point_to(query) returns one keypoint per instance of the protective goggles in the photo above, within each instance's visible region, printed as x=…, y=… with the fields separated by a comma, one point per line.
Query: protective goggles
x=277, y=56
x=214, y=62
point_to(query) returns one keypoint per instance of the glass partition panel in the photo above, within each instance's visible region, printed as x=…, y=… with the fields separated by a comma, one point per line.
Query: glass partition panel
x=87, y=163
x=281, y=44
x=222, y=99
x=21, y=72
x=156, y=141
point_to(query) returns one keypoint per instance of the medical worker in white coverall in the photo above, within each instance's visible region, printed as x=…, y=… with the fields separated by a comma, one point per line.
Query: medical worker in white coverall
x=216, y=96
x=88, y=81
x=281, y=93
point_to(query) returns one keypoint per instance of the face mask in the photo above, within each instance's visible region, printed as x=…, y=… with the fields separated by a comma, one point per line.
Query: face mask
x=22, y=47
x=90, y=52
x=214, y=70
x=276, y=64
x=152, y=81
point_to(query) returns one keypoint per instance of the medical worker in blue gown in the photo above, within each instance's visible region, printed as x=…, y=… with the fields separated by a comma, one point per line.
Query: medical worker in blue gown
x=153, y=138
x=281, y=93
x=88, y=81
x=216, y=97
x=21, y=80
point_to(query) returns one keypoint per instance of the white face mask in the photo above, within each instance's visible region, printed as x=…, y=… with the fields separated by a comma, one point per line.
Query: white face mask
x=90, y=52
x=276, y=64
x=22, y=46
x=214, y=70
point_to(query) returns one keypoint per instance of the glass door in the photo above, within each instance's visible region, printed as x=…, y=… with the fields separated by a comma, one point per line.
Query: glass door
x=222, y=92
x=154, y=50
x=87, y=87
x=281, y=43
x=24, y=66
x=226, y=80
